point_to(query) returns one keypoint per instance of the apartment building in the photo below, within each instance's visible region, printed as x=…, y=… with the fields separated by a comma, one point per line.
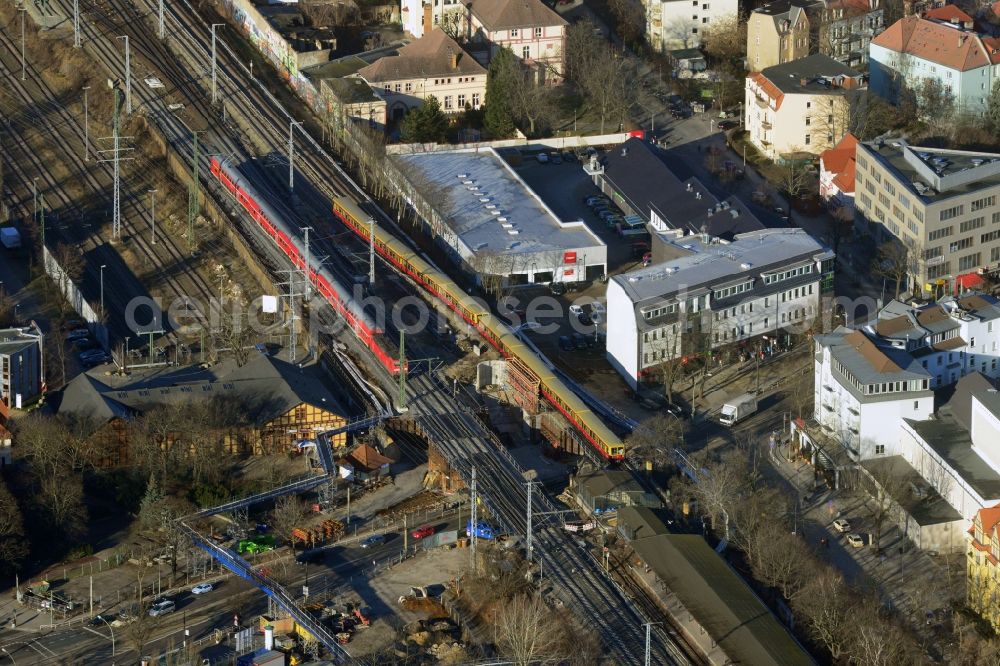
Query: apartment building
x=421, y=16
x=777, y=33
x=964, y=62
x=680, y=24
x=434, y=65
x=21, y=366
x=787, y=30
x=843, y=29
x=983, y=566
x=941, y=204
x=799, y=107
x=532, y=31
x=713, y=294
x=862, y=390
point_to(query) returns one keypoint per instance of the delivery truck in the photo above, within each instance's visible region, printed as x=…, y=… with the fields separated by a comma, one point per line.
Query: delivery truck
x=738, y=409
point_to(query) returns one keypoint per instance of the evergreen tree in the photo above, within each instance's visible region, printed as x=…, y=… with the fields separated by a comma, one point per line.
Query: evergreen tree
x=151, y=508
x=993, y=108
x=498, y=119
x=425, y=124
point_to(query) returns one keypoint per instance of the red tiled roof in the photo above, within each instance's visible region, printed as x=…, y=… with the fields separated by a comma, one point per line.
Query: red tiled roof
x=875, y=358
x=947, y=13
x=840, y=160
x=367, y=458
x=939, y=43
x=768, y=88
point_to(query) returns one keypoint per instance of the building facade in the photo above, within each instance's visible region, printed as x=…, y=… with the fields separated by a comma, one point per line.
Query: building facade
x=22, y=369
x=434, y=65
x=800, y=107
x=913, y=50
x=777, y=33
x=421, y=16
x=533, y=32
x=942, y=205
x=983, y=566
x=845, y=28
x=715, y=294
x=679, y=24
x=352, y=99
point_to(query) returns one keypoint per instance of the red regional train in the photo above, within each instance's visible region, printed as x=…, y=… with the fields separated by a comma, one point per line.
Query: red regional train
x=321, y=278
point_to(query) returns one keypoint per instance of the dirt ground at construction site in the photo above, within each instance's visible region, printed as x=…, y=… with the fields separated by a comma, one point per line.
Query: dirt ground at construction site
x=429, y=569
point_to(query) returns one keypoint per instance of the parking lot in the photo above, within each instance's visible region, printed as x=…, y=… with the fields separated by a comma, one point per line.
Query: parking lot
x=564, y=187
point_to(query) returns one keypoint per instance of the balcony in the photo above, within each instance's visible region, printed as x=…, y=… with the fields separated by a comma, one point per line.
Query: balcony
x=761, y=102
x=766, y=125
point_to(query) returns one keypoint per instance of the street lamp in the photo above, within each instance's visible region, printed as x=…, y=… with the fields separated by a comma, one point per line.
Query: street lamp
x=111, y=629
x=103, y=266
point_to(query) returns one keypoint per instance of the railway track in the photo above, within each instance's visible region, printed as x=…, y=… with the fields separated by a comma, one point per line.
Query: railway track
x=64, y=133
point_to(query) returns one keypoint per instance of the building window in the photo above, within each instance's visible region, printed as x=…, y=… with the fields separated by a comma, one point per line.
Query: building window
x=968, y=261
x=694, y=31
x=808, y=139
x=954, y=211
x=475, y=100
x=399, y=87
x=513, y=32
x=447, y=102
x=986, y=202
x=409, y=87
x=461, y=101
x=880, y=449
x=940, y=233
x=526, y=52
x=916, y=405
x=808, y=121
x=538, y=33
x=969, y=225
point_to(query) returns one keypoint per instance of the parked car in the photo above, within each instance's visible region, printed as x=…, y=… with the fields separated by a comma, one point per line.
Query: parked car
x=556, y=158
x=162, y=607
x=585, y=319
x=841, y=525
x=856, y=540
x=728, y=124
x=557, y=288
x=90, y=355
x=94, y=361
x=565, y=343
x=582, y=341
x=575, y=309
x=422, y=532
x=595, y=199
x=373, y=540
x=77, y=334
x=569, y=156
x=202, y=588
x=676, y=410
x=543, y=158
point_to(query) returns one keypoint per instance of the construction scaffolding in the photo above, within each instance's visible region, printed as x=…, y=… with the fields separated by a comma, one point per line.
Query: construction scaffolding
x=560, y=434
x=523, y=384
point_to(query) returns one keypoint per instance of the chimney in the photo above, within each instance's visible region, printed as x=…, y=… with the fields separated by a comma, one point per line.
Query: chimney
x=268, y=637
x=452, y=59
x=428, y=19
x=967, y=25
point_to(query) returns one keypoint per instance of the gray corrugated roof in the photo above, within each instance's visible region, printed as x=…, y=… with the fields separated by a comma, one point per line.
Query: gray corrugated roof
x=720, y=600
x=708, y=265
x=930, y=510
x=599, y=484
x=961, y=400
x=644, y=521
x=442, y=176
x=647, y=183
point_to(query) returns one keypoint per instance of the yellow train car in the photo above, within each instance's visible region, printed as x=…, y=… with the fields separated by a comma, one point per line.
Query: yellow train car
x=496, y=332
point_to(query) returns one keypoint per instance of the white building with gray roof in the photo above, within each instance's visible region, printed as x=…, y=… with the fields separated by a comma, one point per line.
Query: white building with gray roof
x=21, y=365
x=715, y=293
x=491, y=222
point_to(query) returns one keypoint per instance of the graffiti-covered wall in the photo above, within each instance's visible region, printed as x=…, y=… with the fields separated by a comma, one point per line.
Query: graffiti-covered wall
x=272, y=45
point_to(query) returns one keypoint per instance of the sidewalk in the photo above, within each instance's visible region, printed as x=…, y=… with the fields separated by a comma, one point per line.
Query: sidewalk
x=909, y=580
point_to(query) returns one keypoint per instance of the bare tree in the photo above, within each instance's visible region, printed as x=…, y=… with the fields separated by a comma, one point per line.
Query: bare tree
x=725, y=40
x=61, y=499
x=722, y=485
x=886, y=482
x=13, y=543
x=287, y=514
x=783, y=560
x=827, y=606
x=893, y=263
x=630, y=20
x=876, y=640
x=527, y=631
x=794, y=176
x=605, y=75
x=656, y=438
